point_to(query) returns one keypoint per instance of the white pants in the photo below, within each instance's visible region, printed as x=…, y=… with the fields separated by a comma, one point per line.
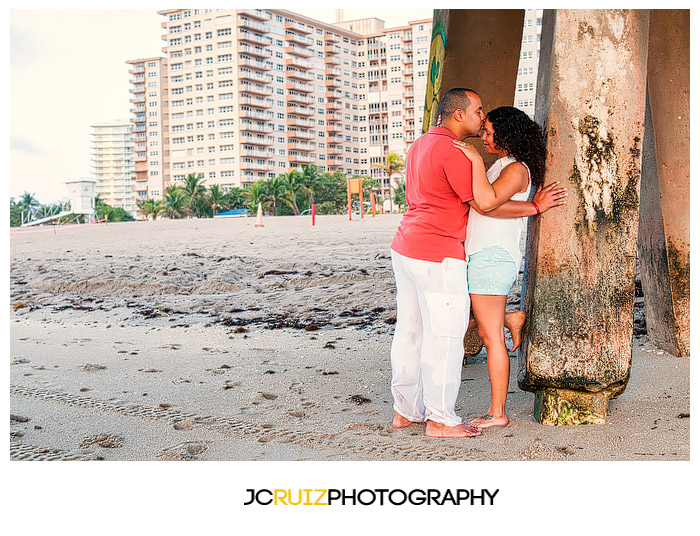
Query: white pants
x=427, y=351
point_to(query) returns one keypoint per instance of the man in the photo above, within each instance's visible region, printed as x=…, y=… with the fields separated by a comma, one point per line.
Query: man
x=430, y=269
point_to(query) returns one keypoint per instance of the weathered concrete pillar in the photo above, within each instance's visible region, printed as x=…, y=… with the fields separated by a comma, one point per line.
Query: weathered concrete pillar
x=477, y=49
x=579, y=296
x=652, y=254
x=664, y=244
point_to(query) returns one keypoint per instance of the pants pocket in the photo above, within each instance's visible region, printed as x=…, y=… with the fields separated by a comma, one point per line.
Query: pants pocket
x=447, y=313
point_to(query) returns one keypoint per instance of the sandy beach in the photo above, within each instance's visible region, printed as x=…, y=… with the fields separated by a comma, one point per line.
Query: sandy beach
x=219, y=340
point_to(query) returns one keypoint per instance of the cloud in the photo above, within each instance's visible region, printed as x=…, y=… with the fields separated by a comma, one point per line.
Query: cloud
x=23, y=51
x=24, y=145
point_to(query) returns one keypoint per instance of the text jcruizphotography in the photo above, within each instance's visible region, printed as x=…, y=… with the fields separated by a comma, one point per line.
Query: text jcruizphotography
x=367, y=497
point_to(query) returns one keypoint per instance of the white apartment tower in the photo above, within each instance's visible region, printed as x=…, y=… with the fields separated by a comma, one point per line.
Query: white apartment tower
x=529, y=57
x=111, y=163
x=151, y=136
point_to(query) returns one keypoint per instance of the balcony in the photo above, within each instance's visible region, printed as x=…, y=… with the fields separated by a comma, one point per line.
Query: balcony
x=255, y=64
x=335, y=151
x=298, y=62
x=300, y=134
x=407, y=37
x=297, y=27
x=408, y=82
x=244, y=22
x=252, y=38
x=334, y=128
x=333, y=82
x=334, y=116
x=331, y=38
x=257, y=51
x=301, y=110
x=333, y=60
x=256, y=166
x=254, y=114
x=300, y=98
x=258, y=14
x=332, y=49
x=250, y=126
x=334, y=105
x=298, y=51
x=137, y=69
x=257, y=140
x=300, y=86
x=247, y=74
x=254, y=152
x=408, y=93
x=299, y=122
x=409, y=126
x=304, y=40
x=255, y=89
x=408, y=59
x=300, y=146
x=257, y=102
x=334, y=71
x=334, y=94
x=299, y=75
x=305, y=158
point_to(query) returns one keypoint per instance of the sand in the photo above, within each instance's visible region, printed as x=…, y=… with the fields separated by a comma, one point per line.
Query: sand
x=219, y=340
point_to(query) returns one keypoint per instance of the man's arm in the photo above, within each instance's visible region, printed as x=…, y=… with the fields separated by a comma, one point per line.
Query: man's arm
x=544, y=199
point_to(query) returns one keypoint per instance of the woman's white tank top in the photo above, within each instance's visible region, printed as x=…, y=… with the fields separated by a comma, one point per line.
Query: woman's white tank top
x=484, y=231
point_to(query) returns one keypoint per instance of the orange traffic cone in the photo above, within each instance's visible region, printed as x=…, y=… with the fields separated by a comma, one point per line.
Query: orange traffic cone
x=258, y=221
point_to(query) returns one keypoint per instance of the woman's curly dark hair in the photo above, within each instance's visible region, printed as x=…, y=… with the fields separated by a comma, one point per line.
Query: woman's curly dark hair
x=521, y=138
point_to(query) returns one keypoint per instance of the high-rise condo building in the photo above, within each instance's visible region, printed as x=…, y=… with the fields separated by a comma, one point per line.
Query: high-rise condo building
x=111, y=163
x=529, y=57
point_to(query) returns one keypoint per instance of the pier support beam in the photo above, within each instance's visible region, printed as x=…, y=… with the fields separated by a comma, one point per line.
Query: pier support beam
x=579, y=297
x=664, y=240
x=477, y=49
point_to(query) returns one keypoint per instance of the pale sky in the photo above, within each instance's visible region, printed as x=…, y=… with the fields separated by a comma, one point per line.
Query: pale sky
x=68, y=71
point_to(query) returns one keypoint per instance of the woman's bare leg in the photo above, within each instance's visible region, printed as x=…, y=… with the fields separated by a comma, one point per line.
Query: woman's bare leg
x=489, y=315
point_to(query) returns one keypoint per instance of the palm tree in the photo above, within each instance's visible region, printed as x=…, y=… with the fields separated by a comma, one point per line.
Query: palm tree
x=293, y=179
x=175, y=200
x=276, y=190
x=215, y=197
x=311, y=180
x=150, y=207
x=27, y=201
x=235, y=198
x=394, y=164
x=256, y=194
x=195, y=191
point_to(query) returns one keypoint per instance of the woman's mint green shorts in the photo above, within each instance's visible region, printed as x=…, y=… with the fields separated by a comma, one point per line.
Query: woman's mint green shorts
x=491, y=271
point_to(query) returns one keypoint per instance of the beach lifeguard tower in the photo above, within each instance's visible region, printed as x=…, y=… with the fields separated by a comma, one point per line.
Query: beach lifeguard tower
x=82, y=198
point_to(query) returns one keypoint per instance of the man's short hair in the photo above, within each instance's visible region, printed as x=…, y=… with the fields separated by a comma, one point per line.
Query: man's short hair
x=455, y=99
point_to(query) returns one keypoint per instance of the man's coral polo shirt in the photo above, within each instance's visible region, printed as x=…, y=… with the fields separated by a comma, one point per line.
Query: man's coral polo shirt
x=438, y=187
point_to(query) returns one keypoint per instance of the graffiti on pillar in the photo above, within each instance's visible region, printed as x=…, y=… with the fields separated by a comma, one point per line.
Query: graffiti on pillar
x=432, y=90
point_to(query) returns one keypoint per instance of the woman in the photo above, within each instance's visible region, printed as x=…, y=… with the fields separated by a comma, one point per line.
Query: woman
x=493, y=244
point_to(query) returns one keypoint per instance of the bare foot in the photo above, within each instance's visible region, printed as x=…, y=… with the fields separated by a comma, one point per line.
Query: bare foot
x=489, y=420
x=514, y=322
x=435, y=429
x=401, y=422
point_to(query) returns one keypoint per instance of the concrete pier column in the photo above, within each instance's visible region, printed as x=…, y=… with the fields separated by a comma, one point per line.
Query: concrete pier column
x=477, y=49
x=579, y=284
x=664, y=242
